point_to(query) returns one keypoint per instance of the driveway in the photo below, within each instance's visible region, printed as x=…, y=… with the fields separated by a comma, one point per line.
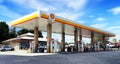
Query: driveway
x=102, y=57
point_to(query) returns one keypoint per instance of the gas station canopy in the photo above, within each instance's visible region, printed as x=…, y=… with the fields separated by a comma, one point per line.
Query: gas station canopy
x=40, y=19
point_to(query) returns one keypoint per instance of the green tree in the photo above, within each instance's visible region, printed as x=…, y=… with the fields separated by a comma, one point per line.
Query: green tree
x=66, y=43
x=12, y=33
x=23, y=31
x=4, y=31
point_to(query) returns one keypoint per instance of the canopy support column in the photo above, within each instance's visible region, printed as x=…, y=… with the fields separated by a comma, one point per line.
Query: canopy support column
x=80, y=35
x=49, y=35
x=92, y=40
x=76, y=39
x=80, y=40
x=63, y=38
x=35, y=39
x=104, y=41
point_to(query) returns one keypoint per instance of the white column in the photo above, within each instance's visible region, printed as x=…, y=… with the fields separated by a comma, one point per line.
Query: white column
x=76, y=39
x=92, y=40
x=35, y=39
x=63, y=38
x=81, y=47
x=49, y=36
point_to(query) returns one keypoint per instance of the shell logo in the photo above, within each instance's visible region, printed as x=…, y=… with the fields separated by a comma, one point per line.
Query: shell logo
x=52, y=16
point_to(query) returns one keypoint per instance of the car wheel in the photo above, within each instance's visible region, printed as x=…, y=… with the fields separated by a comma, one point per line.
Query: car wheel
x=2, y=50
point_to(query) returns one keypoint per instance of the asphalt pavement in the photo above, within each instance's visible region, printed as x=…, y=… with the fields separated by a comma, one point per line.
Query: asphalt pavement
x=102, y=57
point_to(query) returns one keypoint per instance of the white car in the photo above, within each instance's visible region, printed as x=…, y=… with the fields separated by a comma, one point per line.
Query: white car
x=1, y=48
x=7, y=48
x=110, y=45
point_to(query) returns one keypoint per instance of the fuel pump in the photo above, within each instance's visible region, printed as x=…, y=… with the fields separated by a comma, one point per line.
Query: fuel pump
x=59, y=48
x=96, y=45
x=31, y=47
x=54, y=46
x=108, y=46
x=81, y=47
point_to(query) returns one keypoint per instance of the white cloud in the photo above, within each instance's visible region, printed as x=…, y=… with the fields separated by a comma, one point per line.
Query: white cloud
x=6, y=14
x=34, y=4
x=100, y=19
x=114, y=27
x=80, y=21
x=77, y=4
x=70, y=15
x=72, y=4
x=91, y=16
x=115, y=10
x=100, y=26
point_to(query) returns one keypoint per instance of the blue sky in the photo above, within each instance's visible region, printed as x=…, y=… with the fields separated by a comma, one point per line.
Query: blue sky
x=102, y=14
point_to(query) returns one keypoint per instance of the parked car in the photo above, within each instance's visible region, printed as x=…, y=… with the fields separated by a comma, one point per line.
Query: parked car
x=7, y=48
x=111, y=45
x=1, y=48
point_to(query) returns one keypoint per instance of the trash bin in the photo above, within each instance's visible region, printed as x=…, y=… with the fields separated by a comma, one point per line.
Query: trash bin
x=86, y=48
x=73, y=48
x=69, y=49
x=41, y=49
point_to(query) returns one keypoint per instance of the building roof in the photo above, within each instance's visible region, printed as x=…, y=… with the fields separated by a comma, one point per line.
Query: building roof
x=11, y=39
x=31, y=38
x=27, y=34
x=41, y=19
x=26, y=38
